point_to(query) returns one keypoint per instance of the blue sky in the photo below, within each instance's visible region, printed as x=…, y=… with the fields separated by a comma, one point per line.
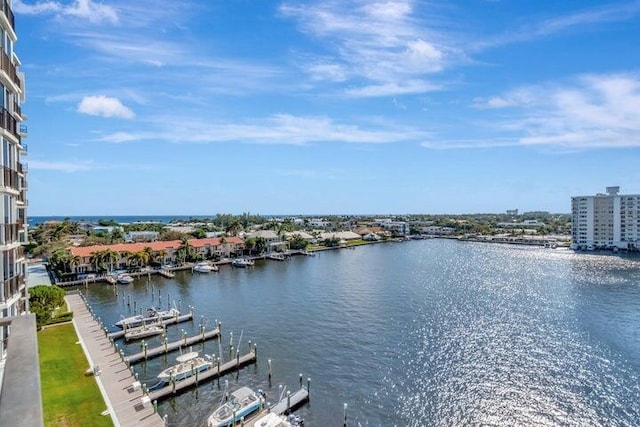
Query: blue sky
x=272, y=107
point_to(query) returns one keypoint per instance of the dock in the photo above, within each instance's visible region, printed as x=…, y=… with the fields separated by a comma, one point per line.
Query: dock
x=166, y=322
x=114, y=379
x=166, y=273
x=167, y=347
x=212, y=373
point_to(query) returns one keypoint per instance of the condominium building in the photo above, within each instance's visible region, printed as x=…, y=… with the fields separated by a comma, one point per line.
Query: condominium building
x=13, y=180
x=606, y=221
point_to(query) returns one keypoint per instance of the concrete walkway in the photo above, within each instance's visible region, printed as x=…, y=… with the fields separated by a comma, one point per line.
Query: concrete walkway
x=115, y=379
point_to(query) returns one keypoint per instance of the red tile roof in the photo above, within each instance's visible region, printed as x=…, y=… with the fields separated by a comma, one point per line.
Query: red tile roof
x=86, y=251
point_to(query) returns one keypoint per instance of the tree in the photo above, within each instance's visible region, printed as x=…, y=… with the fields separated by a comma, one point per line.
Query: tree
x=298, y=242
x=43, y=300
x=233, y=228
x=261, y=245
x=250, y=244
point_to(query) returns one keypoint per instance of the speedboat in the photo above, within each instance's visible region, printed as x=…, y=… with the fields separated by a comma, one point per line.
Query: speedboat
x=124, y=278
x=241, y=403
x=152, y=315
x=188, y=364
x=242, y=262
x=204, y=267
x=275, y=420
x=143, y=332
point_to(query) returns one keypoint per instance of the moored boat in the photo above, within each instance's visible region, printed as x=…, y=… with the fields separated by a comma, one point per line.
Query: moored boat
x=275, y=420
x=152, y=315
x=124, y=278
x=188, y=364
x=241, y=403
x=242, y=262
x=204, y=267
x=143, y=332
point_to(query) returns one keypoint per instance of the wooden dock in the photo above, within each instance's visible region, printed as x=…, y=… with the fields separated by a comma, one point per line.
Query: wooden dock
x=167, y=347
x=212, y=373
x=166, y=273
x=166, y=322
x=114, y=379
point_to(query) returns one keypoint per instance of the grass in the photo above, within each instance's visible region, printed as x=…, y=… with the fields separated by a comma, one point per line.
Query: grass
x=69, y=397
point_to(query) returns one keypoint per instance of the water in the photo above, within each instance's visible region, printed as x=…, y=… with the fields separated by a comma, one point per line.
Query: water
x=432, y=332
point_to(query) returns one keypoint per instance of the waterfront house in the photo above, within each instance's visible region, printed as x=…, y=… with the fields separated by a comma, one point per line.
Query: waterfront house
x=163, y=252
x=274, y=241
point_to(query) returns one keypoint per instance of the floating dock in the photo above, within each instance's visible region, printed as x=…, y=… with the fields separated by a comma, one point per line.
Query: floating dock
x=167, y=347
x=214, y=372
x=166, y=322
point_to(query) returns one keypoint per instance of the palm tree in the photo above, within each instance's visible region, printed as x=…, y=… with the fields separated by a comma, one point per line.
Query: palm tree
x=233, y=228
x=250, y=244
x=261, y=245
x=75, y=261
x=186, y=249
x=160, y=256
x=110, y=257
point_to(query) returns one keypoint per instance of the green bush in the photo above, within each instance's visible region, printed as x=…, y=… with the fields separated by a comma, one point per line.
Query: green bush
x=61, y=318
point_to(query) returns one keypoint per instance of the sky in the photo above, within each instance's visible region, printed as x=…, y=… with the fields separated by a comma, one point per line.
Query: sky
x=327, y=107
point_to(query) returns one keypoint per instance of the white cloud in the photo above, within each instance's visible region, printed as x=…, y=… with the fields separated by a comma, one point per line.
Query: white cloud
x=104, y=106
x=327, y=71
x=393, y=88
x=86, y=9
x=278, y=129
x=591, y=111
x=377, y=44
x=608, y=13
x=75, y=166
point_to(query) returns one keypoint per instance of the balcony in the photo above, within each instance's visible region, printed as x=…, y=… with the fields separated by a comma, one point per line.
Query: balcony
x=7, y=66
x=23, y=131
x=6, y=9
x=8, y=122
x=11, y=178
x=9, y=233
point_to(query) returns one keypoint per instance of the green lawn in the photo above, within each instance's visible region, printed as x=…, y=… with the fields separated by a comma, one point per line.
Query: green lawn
x=69, y=397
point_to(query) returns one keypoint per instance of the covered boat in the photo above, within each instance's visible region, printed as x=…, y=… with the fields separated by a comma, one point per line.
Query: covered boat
x=143, y=332
x=188, y=364
x=152, y=315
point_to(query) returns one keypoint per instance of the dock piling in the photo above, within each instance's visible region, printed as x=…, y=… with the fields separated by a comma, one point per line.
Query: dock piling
x=269, y=372
x=345, y=416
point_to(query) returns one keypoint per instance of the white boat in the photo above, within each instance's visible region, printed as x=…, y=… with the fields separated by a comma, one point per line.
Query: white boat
x=241, y=403
x=124, y=278
x=188, y=364
x=242, y=262
x=152, y=315
x=275, y=420
x=204, y=267
x=143, y=332
x=277, y=257
x=574, y=247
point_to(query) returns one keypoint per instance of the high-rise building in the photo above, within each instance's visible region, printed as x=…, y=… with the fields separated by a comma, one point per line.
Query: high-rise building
x=606, y=221
x=13, y=179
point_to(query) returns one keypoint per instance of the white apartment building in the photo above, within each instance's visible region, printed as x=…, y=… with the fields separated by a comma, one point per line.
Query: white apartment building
x=606, y=221
x=13, y=180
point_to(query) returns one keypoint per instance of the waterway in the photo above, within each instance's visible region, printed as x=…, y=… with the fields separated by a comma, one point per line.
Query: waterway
x=432, y=332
